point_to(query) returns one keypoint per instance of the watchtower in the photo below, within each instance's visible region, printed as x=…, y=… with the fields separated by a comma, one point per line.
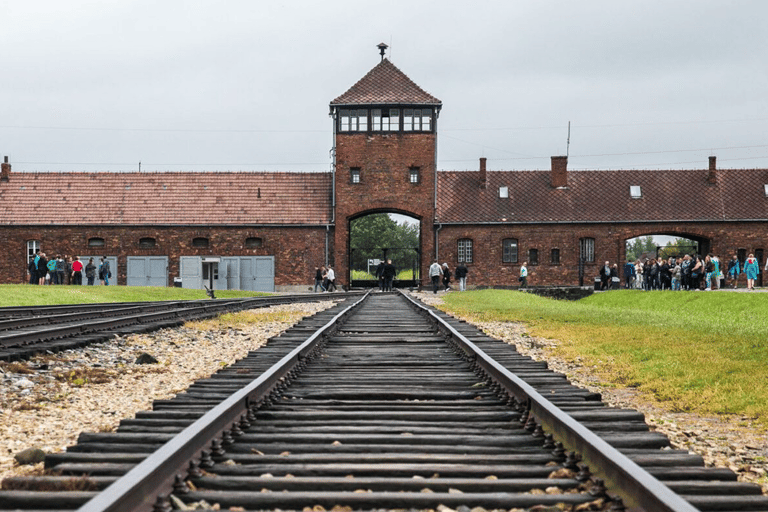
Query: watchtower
x=385, y=141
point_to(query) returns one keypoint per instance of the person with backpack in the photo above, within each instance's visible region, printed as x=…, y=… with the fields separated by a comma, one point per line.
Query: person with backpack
x=51, y=267
x=104, y=272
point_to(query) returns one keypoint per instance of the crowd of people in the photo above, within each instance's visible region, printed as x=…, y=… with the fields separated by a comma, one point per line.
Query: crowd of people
x=689, y=272
x=69, y=270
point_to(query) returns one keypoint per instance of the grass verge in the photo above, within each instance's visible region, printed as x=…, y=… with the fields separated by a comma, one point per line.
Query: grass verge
x=31, y=295
x=695, y=352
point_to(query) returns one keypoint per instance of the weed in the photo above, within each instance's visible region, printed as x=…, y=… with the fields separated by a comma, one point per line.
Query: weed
x=19, y=368
x=81, y=376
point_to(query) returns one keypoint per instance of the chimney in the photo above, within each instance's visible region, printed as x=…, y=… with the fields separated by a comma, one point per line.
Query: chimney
x=712, y=176
x=5, y=170
x=483, y=174
x=559, y=172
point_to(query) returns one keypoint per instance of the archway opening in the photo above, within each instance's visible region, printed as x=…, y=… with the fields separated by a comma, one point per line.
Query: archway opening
x=662, y=245
x=377, y=237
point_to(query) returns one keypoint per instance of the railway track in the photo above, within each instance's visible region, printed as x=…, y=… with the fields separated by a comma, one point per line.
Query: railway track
x=26, y=331
x=381, y=403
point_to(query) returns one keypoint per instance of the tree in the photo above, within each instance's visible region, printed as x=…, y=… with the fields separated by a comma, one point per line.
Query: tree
x=637, y=246
x=370, y=235
x=679, y=247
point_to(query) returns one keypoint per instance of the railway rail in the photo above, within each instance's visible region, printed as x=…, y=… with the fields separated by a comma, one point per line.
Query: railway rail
x=381, y=403
x=26, y=331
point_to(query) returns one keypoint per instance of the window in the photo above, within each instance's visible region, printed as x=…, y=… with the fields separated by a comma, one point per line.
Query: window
x=465, y=250
x=509, y=250
x=32, y=247
x=417, y=120
x=200, y=242
x=503, y=192
x=765, y=188
x=354, y=175
x=384, y=120
x=353, y=120
x=253, y=242
x=554, y=257
x=533, y=256
x=413, y=175
x=587, y=249
x=96, y=242
x=635, y=192
x=147, y=242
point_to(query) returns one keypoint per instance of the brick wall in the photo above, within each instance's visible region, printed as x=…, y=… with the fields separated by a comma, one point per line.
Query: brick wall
x=487, y=268
x=297, y=250
x=384, y=162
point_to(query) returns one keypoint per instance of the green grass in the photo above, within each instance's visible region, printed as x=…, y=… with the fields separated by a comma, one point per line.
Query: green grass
x=30, y=295
x=698, y=352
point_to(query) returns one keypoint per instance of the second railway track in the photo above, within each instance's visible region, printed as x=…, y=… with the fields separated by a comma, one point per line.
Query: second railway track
x=389, y=406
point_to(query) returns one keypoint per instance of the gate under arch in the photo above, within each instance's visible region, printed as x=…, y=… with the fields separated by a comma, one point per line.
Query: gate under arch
x=399, y=242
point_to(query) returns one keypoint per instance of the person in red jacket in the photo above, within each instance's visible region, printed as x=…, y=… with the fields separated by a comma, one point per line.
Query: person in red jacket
x=77, y=271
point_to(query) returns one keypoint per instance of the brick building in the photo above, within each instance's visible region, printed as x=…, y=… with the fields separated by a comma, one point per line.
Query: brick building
x=269, y=230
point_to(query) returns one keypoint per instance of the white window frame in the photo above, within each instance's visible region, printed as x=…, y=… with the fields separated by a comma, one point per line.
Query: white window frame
x=464, y=250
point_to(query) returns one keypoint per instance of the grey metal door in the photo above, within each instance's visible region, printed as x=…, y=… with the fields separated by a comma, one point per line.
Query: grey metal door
x=97, y=261
x=265, y=274
x=257, y=273
x=247, y=274
x=229, y=274
x=147, y=271
x=191, y=270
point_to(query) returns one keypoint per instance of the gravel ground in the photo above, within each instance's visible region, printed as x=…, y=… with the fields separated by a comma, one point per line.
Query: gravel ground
x=723, y=442
x=47, y=401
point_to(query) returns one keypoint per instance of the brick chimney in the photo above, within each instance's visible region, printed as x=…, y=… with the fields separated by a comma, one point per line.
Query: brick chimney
x=5, y=170
x=483, y=174
x=712, y=176
x=559, y=175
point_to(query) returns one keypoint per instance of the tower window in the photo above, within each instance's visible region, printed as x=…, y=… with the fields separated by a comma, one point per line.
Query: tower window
x=353, y=120
x=417, y=120
x=509, y=250
x=354, y=175
x=413, y=175
x=384, y=120
x=465, y=250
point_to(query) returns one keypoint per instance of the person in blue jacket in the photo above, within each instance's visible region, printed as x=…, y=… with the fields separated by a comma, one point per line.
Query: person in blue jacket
x=751, y=269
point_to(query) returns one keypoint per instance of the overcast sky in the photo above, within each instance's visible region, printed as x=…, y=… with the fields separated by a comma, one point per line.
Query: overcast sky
x=245, y=85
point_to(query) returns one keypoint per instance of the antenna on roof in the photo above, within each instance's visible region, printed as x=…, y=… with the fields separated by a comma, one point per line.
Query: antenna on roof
x=139, y=165
x=568, y=143
x=382, y=48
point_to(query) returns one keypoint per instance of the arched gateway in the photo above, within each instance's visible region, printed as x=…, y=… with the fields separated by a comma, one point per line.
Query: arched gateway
x=385, y=147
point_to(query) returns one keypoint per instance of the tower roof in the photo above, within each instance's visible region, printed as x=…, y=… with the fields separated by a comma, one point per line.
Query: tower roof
x=386, y=84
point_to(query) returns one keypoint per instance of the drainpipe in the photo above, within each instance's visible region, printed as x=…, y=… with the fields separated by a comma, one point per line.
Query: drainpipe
x=437, y=241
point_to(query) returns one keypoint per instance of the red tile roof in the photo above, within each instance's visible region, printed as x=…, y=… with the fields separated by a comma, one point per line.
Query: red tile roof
x=603, y=196
x=386, y=84
x=184, y=198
